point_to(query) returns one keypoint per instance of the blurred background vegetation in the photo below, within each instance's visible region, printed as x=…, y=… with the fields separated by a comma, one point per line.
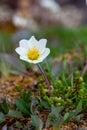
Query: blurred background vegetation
x=62, y=22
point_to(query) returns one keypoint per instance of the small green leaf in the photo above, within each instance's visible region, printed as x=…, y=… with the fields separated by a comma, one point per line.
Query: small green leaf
x=45, y=104
x=4, y=106
x=37, y=122
x=54, y=118
x=18, y=124
x=26, y=96
x=18, y=88
x=69, y=116
x=72, y=80
x=23, y=106
x=2, y=117
x=34, y=105
x=65, y=118
x=79, y=106
x=14, y=114
x=77, y=118
x=56, y=110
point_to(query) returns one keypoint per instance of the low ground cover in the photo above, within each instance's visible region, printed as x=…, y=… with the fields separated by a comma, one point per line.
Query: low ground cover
x=25, y=100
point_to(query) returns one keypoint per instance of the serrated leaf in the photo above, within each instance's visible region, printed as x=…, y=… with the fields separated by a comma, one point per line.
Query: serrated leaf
x=54, y=118
x=22, y=105
x=37, y=122
x=14, y=114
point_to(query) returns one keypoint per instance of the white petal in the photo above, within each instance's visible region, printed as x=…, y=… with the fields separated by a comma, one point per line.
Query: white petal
x=25, y=59
x=32, y=39
x=28, y=60
x=43, y=41
x=44, y=55
x=23, y=43
x=32, y=42
x=42, y=45
x=28, y=43
x=20, y=51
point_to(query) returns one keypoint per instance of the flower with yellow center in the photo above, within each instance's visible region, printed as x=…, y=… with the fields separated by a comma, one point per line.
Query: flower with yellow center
x=33, y=51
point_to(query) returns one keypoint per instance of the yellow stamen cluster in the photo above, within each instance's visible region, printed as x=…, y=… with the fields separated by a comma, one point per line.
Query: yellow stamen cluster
x=33, y=53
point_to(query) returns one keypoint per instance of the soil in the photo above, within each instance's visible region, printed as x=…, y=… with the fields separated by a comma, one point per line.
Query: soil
x=8, y=89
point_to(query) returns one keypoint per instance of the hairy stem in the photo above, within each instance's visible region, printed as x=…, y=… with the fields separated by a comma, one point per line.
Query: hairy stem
x=45, y=77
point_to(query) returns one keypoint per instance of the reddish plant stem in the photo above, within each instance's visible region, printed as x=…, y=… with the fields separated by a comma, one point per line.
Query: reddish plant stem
x=45, y=77
x=84, y=70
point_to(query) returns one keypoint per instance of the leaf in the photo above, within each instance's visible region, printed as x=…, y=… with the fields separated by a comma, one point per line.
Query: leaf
x=52, y=70
x=23, y=106
x=45, y=104
x=37, y=122
x=2, y=117
x=26, y=96
x=56, y=110
x=77, y=118
x=69, y=116
x=54, y=118
x=4, y=106
x=18, y=124
x=65, y=118
x=14, y=114
x=63, y=77
x=79, y=106
x=72, y=80
x=34, y=105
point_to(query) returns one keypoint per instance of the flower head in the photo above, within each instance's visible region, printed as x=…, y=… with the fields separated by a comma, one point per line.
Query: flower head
x=52, y=5
x=33, y=51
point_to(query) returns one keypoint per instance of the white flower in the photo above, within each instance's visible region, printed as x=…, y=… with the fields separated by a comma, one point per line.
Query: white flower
x=33, y=51
x=50, y=4
x=19, y=21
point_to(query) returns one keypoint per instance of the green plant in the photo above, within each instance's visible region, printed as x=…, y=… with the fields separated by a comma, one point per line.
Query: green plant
x=23, y=103
x=6, y=113
x=68, y=98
